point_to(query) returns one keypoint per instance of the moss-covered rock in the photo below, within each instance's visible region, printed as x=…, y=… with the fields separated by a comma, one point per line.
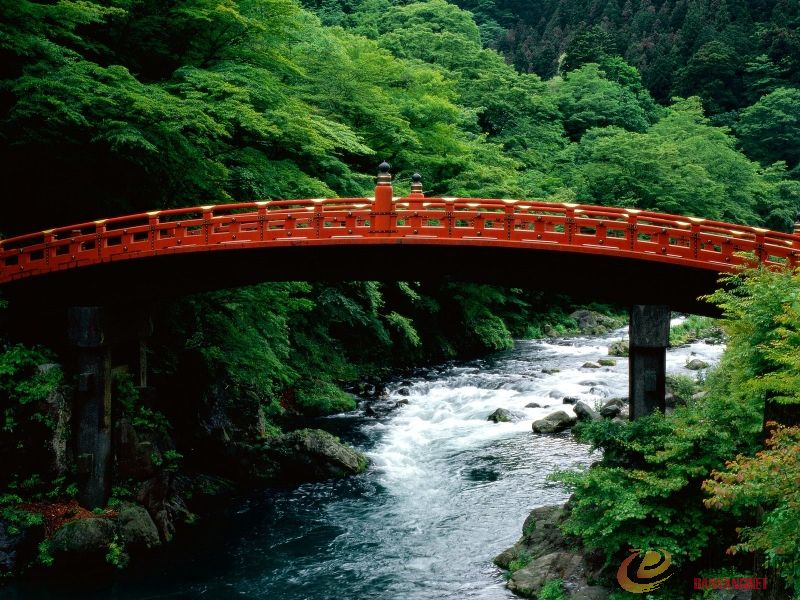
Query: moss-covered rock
x=84, y=539
x=136, y=529
x=312, y=455
x=619, y=348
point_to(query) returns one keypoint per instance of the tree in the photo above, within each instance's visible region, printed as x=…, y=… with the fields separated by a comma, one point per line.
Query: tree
x=770, y=129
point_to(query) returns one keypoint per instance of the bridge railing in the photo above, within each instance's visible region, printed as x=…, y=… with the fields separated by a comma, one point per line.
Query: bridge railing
x=475, y=221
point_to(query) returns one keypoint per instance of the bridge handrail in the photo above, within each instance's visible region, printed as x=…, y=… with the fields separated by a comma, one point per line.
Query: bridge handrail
x=576, y=226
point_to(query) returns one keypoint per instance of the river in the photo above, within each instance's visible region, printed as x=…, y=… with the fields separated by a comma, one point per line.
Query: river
x=446, y=491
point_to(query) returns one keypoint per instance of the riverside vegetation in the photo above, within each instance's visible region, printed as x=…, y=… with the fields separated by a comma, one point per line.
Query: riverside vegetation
x=130, y=105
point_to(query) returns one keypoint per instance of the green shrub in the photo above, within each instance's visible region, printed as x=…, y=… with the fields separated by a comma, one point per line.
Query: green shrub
x=323, y=397
x=552, y=590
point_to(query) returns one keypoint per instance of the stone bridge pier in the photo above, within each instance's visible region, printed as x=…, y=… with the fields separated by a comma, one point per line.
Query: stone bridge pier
x=647, y=358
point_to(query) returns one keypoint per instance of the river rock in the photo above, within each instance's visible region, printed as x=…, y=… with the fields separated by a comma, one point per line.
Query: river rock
x=607, y=362
x=569, y=400
x=136, y=528
x=611, y=408
x=400, y=403
x=619, y=348
x=590, y=365
x=696, y=364
x=554, y=422
x=533, y=405
x=584, y=412
x=569, y=567
x=404, y=391
x=313, y=455
x=501, y=415
x=540, y=535
x=550, y=371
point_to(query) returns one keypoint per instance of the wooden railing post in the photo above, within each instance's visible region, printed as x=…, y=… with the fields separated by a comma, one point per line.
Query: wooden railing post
x=382, y=218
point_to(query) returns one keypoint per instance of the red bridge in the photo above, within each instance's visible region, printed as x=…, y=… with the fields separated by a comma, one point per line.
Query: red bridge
x=105, y=272
x=621, y=254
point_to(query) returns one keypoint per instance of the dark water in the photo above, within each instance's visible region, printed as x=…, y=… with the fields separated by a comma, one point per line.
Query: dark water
x=446, y=492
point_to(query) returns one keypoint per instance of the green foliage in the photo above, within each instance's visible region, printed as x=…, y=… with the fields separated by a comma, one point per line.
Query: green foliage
x=523, y=559
x=770, y=128
x=588, y=99
x=552, y=590
x=767, y=481
x=141, y=417
x=45, y=556
x=22, y=381
x=323, y=397
x=116, y=554
x=692, y=329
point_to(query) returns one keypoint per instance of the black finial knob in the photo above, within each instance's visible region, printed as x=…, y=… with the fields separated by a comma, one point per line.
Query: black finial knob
x=416, y=183
x=384, y=177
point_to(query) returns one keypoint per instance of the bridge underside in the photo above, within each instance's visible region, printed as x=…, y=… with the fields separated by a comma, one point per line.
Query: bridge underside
x=584, y=276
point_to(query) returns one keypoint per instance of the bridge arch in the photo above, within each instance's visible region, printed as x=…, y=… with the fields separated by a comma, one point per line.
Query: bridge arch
x=616, y=254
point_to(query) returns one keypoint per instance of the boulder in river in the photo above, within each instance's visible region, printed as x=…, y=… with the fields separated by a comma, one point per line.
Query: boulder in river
x=696, y=364
x=585, y=412
x=313, y=455
x=533, y=405
x=607, y=362
x=404, y=391
x=590, y=365
x=611, y=408
x=554, y=422
x=569, y=400
x=501, y=415
x=550, y=371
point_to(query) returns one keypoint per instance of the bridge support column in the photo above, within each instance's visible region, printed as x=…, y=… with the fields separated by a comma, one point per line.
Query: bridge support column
x=97, y=334
x=92, y=411
x=649, y=339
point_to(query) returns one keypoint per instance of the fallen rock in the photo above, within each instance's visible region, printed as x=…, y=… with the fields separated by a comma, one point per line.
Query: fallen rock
x=619, y=348
x=313, y=455
x=607, y=362
x=590, y=365
x=501, y=415
x=554, y=422
x=696, y=364
x=585, y=413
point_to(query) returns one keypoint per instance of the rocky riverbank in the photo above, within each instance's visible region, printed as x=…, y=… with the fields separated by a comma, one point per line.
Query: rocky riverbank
x=545, y=557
